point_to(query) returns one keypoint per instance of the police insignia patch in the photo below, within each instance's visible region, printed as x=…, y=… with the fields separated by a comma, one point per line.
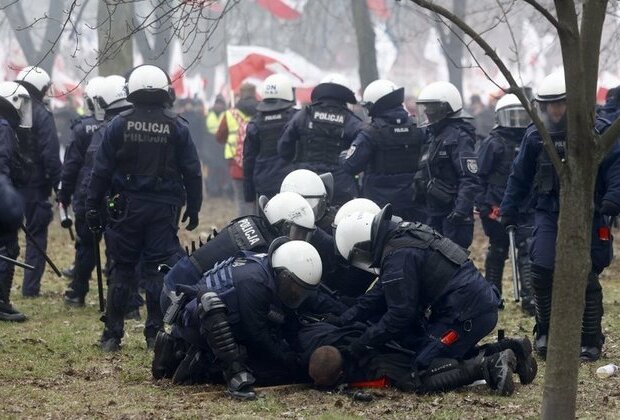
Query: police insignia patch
x=350, y=152
x=472, y=166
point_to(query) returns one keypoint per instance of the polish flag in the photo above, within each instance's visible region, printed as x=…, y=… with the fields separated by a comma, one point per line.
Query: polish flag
x=252, y=63
x=283, y=9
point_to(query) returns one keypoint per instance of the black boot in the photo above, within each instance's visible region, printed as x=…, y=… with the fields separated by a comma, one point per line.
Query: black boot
x=498, y=369
x=193, y=368
x=68, y=272
x=542, y=281
x=73, y=299
x=9, y=313
x=494, y=266
x=526, y=366
x=528, y=305
x=7, y=270
x=216, y=329
x=168, y=354
x=592, y=337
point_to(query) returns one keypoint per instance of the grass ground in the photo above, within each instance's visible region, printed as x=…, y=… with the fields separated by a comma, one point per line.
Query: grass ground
x=50, y=366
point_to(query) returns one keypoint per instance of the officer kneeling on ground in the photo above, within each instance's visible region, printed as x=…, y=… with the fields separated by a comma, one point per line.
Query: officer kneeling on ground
x=242, y=304
x=429, y=295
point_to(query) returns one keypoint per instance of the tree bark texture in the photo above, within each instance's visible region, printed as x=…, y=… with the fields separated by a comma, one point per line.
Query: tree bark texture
x=365, y=34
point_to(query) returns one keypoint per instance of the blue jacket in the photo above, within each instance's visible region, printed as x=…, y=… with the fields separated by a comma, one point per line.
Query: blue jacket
x=107, y=175
x=450, y=158
x=7, y=147
x=72, y=175
x=378, y=186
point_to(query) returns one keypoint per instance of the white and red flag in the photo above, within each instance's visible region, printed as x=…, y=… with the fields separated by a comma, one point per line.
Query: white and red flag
x=284, y=9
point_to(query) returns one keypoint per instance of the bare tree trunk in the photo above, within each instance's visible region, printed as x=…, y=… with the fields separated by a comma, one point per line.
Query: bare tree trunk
x=158, y=51
x=451, y=40
x=365, y=34
x=115, y=53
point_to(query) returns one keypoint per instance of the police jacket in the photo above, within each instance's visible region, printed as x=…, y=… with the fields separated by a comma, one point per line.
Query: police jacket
x=72, y=175
x=533, y=170
x=449, y=168
x=44, y=150
x=495, y=157
x=247, y=285
x=263, y=169
x=147, y=152
x=249, y=233
x=420, y=269
x=387, y=151
x=7, y=147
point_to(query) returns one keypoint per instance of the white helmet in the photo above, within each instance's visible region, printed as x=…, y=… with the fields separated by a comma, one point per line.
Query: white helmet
x=552, y=91
x=290, y=214
x=509, y=112
x=356, y=205
x=35, y=77
x=14, y=98
x=93, y=89
x=113, y=95
x=334, y=86
x=382, y=95
x=353, y=240
x=377, y=89
x=437, y=101
x=278, y=86
x=149, y=83
x=312, y=187
x=298, y=269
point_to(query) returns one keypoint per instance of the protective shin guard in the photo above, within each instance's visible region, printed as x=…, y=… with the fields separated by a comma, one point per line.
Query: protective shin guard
x=167, y=355
x=494, y=266
x=449, y=374
x=215, y=326
x=542, y=281
x=527, y=293
x=118, y=294
x=592, y=337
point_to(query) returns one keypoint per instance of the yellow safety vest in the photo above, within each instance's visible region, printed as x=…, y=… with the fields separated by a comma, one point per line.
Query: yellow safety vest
x=213, y=121
x=236, y=122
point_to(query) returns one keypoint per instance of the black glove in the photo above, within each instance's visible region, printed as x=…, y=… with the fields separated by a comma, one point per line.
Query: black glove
x=609, y=208
x=457, y=218
x=193, y=220
x=508, y=220
x=484, y=211
x=63, y=198
x=94, y=221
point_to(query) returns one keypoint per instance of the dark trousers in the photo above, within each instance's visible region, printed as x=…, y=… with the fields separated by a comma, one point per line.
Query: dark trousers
x=462, y=234
x=38, y=217
x=9, y=248
x=84, y=257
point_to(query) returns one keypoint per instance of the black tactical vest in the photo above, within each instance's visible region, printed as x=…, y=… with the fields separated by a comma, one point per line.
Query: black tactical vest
x=250, y=233
x=446, y=256
x=501, y=170
x=148, y=147
x=436, y=162
x=270, y=128
x=546, y=180
x=322, y=135
x=396, y=147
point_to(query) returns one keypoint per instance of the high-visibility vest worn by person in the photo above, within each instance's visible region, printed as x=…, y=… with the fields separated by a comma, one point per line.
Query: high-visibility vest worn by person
x=236, y=122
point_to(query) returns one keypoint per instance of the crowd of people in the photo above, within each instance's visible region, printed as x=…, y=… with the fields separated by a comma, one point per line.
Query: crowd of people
x=348, y=260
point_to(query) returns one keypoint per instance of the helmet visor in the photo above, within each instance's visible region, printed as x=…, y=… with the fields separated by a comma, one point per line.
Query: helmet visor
x=361, y=257
x=98, y=108
x=292, y=291
x=318, y=204
x=293, y=231
x=429, y=113
x=553, y=115
x=516, y=117
x=25, y=111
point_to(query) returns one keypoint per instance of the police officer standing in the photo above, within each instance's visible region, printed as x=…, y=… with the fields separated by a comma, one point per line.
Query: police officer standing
x=317, y=134
x=533, y=171
x=387, y=151
x=263, y=168
x=15, y=111
x=148, y=162
x=495, y=157
x=448, y=167
x=44, y=150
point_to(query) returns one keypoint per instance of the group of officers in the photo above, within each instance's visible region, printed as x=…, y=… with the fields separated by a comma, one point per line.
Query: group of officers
x=318, y=283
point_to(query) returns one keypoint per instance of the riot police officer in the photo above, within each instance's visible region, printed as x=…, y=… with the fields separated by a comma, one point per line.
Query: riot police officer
x=318, y=190
x=533, y=170
x=495, y=157
x=387, y=151
x=319, y=132
x=15, y=111
x=44, y=150
x=263, y=168
x=148, y=162
x=245, y=301
x=448, y=167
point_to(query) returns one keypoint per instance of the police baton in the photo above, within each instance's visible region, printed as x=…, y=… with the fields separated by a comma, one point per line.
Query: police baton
x=513, y=262
x=65, y=220
x=17, y=263
x=38, y=248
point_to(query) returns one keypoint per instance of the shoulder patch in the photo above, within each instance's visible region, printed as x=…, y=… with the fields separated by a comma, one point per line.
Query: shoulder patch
x=472, y=165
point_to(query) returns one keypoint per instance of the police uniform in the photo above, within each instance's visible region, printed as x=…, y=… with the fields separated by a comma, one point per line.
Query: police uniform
x=449, y=169
x=315, y=138
x=76, y=167
x=427, y=280
x=263, y=169
x=148, y=162
x=533, y=169
x=44, y=150
x=495, y=157
x=388, y=152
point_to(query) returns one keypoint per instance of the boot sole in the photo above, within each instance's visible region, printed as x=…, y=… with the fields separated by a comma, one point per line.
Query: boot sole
x=13, y=317
x=506, y=386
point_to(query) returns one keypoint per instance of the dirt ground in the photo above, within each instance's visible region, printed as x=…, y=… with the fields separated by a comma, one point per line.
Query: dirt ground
x=50, y=366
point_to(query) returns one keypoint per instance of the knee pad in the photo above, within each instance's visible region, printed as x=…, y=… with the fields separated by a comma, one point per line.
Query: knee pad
x=211, y=303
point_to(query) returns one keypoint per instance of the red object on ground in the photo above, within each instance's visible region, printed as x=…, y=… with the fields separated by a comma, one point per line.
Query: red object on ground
x=382, y=382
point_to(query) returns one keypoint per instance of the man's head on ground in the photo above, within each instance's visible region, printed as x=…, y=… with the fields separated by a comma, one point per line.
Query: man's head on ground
x=325, y=366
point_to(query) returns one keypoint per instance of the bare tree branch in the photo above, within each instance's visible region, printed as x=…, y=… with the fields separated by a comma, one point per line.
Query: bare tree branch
x=558, y=163
x=543, y=11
